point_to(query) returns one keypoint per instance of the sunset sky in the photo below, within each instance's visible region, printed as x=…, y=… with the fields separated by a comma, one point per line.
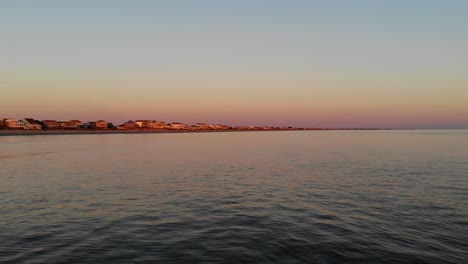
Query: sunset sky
x=395, y=63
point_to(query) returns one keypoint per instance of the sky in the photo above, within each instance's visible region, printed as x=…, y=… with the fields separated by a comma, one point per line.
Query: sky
x=363, y=63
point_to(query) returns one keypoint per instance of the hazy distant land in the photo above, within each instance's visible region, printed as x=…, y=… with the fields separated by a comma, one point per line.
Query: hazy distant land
x=25, y=132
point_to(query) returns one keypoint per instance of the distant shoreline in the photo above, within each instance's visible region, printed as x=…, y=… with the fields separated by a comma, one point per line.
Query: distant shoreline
x=21, y=132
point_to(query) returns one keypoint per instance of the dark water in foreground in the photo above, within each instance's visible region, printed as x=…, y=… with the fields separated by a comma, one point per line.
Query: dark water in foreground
x=258, y=197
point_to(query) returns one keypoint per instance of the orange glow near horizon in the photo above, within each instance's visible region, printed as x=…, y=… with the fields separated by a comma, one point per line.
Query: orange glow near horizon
x=301, y=100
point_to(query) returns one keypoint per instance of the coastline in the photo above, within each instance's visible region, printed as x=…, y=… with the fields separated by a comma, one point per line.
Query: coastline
x=21, y=132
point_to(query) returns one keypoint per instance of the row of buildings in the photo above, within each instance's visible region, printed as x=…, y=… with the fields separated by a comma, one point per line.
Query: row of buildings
x=153, y=124
x=33, y=124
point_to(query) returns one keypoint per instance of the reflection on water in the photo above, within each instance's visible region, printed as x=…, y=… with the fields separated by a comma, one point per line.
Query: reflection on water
x=260, y=197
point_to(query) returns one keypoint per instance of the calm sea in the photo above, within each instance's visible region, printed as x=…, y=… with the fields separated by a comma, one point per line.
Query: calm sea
x=251, y=197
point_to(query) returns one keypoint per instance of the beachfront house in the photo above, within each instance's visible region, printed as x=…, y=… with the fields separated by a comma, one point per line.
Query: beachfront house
x=76, y=122
x=177, y=125
x=143, y=123
x=200, y=126
x=12, y=123
x=30, y=123
x=221, y=127
x=151, y=124
x=68, y=125
x=72, y=124
x=157, y=124
x=51, y=124
x=128, y=125
x=101, y=124
x=86, y=125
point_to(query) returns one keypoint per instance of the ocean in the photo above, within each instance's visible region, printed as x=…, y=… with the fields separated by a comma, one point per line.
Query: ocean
x=237, y=197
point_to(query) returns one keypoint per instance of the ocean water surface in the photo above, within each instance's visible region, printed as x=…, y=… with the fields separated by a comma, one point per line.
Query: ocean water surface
x=240, y=197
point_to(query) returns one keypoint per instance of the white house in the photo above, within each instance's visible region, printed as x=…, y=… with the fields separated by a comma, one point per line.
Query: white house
x=30, y=123
x=13, y=123
x=142, y=123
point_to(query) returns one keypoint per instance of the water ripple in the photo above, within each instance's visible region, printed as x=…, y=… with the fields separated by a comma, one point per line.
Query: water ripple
x=314, y=198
